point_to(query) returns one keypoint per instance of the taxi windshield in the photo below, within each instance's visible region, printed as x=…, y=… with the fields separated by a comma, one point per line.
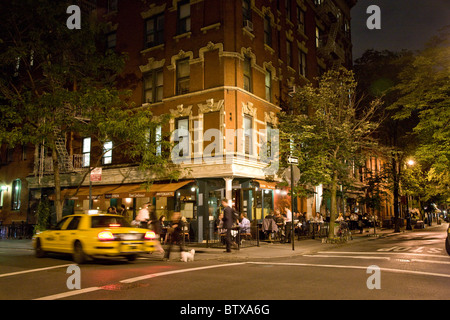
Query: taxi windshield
x=108, y=221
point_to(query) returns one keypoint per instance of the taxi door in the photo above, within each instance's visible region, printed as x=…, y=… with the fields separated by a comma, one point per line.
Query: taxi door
x=68, y=234
x=51, y=237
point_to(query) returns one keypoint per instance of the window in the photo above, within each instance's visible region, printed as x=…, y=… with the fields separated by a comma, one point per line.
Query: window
x=301, y=19
x=158, y=140
x=247, y=74
x=269, y=137
x=302, y=63
x=183, y=76
x=111, y=41
x=154, y=31
x=15, y=194
x=73, y=224
x=112, y=5
x=318, y=37
x=153, y=86
x=182, y=136
x=268, y=84
x=267, y=31
x=107, y=150
x=86, y=161
x=246, y=11
x=248, y=141
x=288, y=4
x=289, y=53
x=184, y=17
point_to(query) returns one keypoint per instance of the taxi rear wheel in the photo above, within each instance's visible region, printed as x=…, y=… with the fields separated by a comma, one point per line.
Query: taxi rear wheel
x=78, y=254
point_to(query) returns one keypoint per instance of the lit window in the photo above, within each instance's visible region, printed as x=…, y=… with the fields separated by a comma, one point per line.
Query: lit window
x=86, y=152
x=107, y=150
x=248, y=141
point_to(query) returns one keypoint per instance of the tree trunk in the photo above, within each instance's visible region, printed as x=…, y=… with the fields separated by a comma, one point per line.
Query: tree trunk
x=57, y=179
x=333, y=211
x=395, y=175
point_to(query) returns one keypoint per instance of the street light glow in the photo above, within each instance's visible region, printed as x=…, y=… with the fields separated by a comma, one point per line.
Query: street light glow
x=411, y=162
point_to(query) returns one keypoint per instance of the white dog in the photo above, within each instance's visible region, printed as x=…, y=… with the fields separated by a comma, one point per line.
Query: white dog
x=187, y=255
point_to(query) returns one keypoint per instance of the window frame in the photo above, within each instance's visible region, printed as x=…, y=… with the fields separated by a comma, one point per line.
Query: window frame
x=152, y=77
x=157, y=32
x=107, y=157
x=183, y=79
x=183, y=23
x=247, y=74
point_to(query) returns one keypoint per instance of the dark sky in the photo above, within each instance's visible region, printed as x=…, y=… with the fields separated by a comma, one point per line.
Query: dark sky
x=405, y=24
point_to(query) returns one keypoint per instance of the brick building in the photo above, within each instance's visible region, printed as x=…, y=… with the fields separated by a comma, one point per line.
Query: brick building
x=212, y=64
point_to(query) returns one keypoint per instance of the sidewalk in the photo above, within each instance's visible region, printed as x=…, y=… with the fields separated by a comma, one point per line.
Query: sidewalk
x=264, y=251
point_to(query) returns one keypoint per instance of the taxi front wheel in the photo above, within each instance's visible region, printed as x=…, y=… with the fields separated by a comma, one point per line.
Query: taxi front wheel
x=78, y=254
x=40, y=253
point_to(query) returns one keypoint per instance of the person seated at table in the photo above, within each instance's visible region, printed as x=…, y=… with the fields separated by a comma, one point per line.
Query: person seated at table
x=340, y=218
x=244, y=224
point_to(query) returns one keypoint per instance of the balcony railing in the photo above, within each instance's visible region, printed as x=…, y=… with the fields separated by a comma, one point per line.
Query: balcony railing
x=76, y=161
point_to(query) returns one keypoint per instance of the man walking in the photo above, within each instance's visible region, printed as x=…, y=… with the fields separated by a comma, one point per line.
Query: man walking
x=229, y=216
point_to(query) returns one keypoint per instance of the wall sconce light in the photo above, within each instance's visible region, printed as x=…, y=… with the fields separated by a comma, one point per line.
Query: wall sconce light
x=4, y=188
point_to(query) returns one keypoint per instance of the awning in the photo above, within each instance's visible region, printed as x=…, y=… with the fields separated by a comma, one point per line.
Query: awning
x=124, y=191
x=266, y=184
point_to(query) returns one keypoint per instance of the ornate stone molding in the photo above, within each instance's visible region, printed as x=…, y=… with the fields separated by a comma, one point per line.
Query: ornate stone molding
x=210, y=106
x=270, y=117
x=152, y=64
x=154, y=10
x=247, y=108
x=181, y=111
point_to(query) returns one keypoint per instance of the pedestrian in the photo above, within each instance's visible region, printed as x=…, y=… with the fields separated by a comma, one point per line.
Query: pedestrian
x=229, y=217
x=175, y=231
x=112, y=210
x=143, y=216
x=288, y=226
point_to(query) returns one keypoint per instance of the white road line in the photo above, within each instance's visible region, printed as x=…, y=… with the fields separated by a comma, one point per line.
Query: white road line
x=69, y=293
x=33, y=270
x=353, y=267
x=166, y=273
x=339, y=256
x=131, y=280
x=384, y=252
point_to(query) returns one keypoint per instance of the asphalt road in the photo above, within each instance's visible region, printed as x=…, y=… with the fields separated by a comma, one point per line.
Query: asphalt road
x=403, y=266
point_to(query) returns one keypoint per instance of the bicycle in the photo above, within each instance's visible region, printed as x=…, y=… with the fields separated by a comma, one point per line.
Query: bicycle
x=344, y=232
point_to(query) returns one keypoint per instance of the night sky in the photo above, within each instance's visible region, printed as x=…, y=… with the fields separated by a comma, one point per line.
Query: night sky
x=405, y=24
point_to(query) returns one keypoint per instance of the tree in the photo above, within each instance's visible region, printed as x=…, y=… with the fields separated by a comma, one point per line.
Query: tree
x=425, y=91
x=378, y=74
x=329, y=132
x=55, y=81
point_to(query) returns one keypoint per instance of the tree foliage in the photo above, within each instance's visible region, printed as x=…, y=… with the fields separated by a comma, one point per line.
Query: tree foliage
x=329, y=131
x=54, y=81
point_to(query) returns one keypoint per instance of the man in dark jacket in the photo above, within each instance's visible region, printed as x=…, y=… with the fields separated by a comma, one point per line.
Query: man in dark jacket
x=229, y=216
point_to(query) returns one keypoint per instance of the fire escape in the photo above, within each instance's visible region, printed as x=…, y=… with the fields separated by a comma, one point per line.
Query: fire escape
x=330, y=50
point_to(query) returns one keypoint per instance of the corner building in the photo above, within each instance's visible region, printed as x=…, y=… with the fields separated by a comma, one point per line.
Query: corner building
x=227, y=65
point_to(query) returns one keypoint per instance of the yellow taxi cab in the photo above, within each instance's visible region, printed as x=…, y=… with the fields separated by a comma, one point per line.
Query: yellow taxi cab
x=91, y=235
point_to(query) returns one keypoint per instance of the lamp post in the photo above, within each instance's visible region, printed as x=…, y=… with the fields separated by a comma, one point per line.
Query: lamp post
x=410, y=163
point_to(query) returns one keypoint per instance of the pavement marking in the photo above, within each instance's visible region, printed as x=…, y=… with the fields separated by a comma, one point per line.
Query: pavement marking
x=69, y=293
x=33, y=270
x=353, y=267
x=135, y=279
x=166, y=273
x=384, y=252
x=339, y=256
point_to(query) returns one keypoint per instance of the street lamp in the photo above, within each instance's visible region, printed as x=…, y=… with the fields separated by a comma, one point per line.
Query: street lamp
x=411, y=162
